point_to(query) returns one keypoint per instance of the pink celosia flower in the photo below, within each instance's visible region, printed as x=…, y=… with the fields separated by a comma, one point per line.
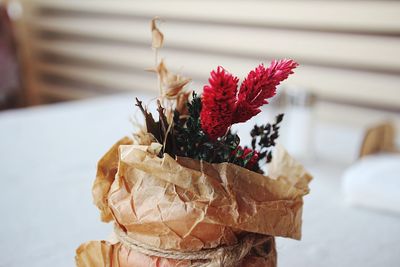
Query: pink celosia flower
x=222, y=107
x=218, y=103
x=260, y=85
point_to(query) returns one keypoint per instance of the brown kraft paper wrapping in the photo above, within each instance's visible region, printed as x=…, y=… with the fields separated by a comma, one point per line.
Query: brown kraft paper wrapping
x=186, y=205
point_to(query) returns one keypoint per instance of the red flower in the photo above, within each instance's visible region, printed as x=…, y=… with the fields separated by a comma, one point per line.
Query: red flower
x=222, y=107
x=218, y=103
x=260, y=85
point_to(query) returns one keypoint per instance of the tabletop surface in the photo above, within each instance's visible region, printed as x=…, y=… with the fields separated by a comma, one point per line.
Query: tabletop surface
x=48, y=159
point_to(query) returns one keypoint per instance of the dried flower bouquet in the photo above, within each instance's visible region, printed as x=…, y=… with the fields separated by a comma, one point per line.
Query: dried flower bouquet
x=183, y=191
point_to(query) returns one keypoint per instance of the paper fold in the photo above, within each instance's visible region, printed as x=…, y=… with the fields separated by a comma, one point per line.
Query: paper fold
x=187, y=205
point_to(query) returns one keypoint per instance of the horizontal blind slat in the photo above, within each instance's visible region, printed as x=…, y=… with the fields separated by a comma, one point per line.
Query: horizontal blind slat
x=346, y=58
x=352, y=51
x=354, y=15
x=102, y=78
x=327, y=82
x=64, y=92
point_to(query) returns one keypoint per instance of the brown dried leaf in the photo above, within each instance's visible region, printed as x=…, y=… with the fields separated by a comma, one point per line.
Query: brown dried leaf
x=151, y=125
x=157, y=36
x=166, y=131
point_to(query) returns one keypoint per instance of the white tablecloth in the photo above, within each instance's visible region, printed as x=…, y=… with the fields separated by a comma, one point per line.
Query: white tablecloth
x=48, y=157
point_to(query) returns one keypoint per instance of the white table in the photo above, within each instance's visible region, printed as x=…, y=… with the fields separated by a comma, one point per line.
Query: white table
x=48, y=157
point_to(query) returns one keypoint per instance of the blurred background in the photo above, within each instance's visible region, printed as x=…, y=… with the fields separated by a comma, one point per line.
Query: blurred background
x=349, y=51
x=69, y=70
x=63, y=50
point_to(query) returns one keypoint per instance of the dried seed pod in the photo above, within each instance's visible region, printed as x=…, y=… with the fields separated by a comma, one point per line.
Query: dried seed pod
x=157, y=36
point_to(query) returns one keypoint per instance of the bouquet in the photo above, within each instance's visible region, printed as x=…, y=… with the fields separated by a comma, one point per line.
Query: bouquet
x=183, y=190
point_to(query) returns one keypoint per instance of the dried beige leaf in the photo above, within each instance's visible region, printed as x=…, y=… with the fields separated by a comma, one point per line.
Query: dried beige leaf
x=175, y=88
x=157, y=36
x=142, y=137
x=172, y=84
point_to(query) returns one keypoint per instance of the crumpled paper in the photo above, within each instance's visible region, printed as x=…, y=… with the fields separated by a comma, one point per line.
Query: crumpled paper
x=108, y=254
x=187, y=205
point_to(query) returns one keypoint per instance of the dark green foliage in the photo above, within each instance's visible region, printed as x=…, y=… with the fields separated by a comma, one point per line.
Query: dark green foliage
x=185, y=138
x=188, y=134
x=264, y=138
x=238, y=157
x=192, y=142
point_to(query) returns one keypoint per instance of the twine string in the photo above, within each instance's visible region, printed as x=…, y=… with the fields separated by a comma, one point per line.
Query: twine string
x=226, y=256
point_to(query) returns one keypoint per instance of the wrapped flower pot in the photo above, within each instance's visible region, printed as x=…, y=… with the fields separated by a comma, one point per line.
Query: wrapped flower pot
x=183, y=191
